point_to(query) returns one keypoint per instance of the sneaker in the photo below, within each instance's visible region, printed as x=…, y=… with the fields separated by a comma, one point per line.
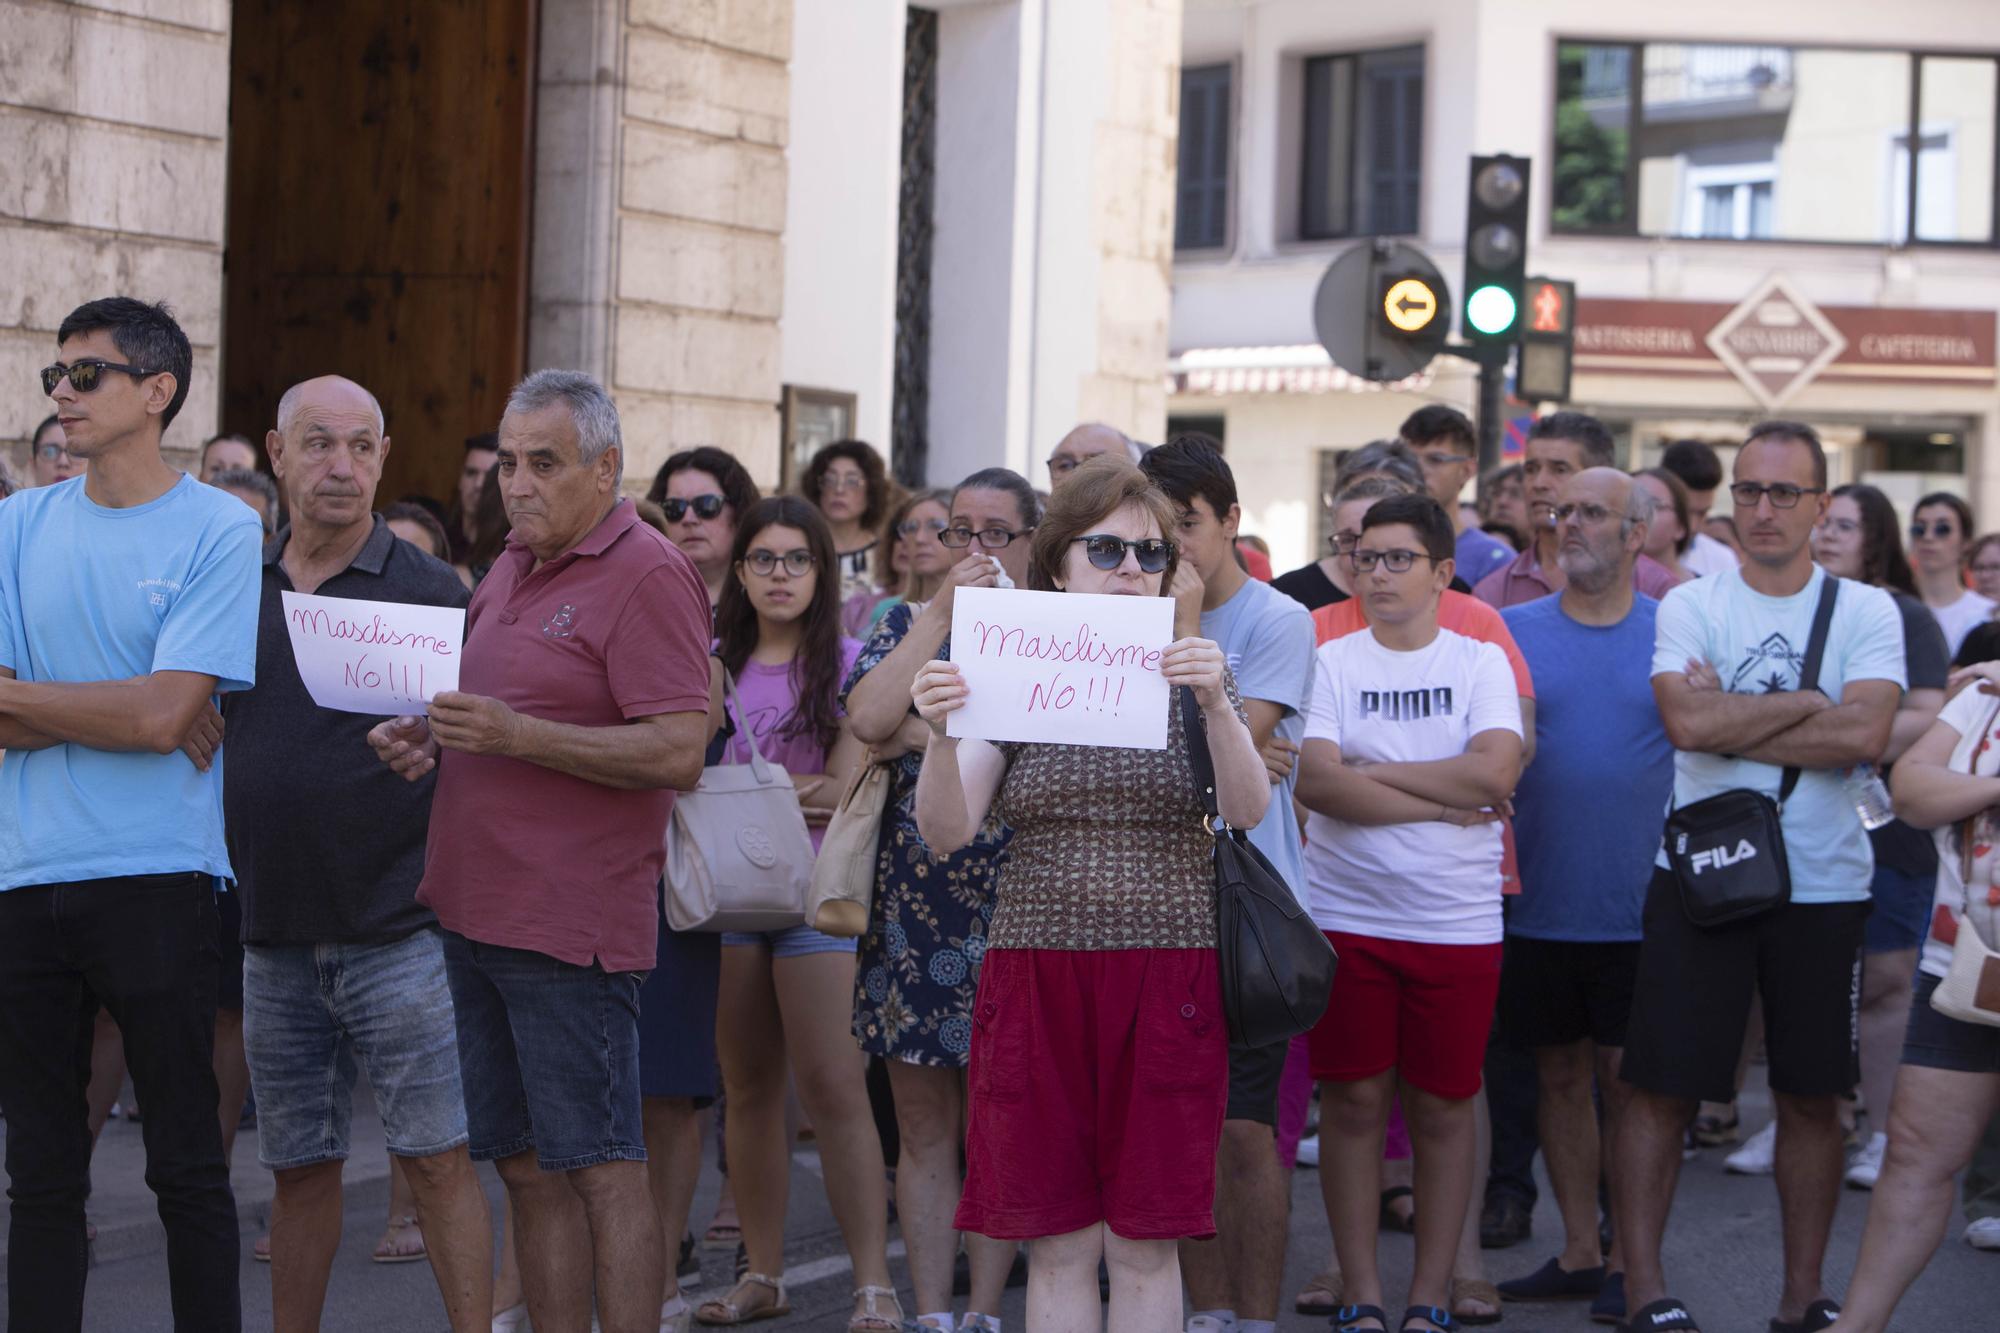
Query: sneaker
x=1758, y=1156
x=1308, y=1154
x=1984, y=1234
x=676, y=1315
x=1866, y=1165
x=1204, y=1323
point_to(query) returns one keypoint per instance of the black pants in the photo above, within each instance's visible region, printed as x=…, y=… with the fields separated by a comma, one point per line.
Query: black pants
x=143, y=947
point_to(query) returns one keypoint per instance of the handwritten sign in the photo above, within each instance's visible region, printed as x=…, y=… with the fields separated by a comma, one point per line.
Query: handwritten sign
x=1059, y=667
x=382, y=658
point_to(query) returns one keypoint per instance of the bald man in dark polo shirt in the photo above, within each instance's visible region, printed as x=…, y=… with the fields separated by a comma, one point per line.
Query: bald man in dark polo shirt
x=583, y=704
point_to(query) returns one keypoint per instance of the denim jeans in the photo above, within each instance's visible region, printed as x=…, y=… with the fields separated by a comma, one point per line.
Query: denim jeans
x=143, y=947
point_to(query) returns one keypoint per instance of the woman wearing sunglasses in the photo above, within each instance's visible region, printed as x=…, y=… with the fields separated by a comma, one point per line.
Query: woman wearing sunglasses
x=910, y=555
x=1099, y=1052
x=703, y=492
x=784, y=995
x=1940, y=531
x=920, y=959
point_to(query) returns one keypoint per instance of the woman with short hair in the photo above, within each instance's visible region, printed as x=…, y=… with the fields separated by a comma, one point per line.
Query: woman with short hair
x=703, y=493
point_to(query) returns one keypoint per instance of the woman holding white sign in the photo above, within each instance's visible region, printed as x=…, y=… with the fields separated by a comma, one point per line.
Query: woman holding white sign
x=1099, y=1053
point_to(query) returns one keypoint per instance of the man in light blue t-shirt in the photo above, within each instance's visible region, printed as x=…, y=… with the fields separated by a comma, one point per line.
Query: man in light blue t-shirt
x=128, y=601
x=1727, y=672
x=1586, y=825
x=1267, y=639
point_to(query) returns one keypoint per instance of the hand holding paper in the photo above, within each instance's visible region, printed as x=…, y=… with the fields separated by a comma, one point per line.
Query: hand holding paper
x=381, y=658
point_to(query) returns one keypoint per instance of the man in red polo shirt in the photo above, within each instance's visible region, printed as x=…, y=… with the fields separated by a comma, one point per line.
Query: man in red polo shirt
x=583, y=704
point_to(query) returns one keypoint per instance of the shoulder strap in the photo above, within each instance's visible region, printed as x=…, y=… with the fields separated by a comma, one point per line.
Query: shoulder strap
x=758, y=764
x=1195, y=733
x=1829, y=589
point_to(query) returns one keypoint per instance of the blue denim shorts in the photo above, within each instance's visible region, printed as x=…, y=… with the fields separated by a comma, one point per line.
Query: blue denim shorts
x=311, y=1010
x=1901, y=916
x=551, y=1056
x=791, y=942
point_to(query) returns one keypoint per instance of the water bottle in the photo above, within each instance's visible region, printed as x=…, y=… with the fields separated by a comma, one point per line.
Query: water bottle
x=1870, y=796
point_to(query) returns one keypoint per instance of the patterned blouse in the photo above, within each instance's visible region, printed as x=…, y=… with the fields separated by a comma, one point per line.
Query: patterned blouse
x=1108, y=850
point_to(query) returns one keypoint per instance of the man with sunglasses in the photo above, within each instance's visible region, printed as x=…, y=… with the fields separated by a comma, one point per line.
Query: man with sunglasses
x=128, y=602
x=1727, y=663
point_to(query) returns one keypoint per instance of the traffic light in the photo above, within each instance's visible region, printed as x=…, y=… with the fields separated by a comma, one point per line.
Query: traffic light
x=1496, y=249
x=1547, y=340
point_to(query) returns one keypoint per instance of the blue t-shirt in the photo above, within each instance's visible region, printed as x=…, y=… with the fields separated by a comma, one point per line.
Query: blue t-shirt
x=1479, y=554
x=1588, y=810
x=95, y=594
x=1267, y=639
x=1757, y=644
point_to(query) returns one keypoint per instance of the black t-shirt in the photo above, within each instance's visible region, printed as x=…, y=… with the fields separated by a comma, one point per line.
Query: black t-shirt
x=1309, y=586
x=1926, y=661
x=327, y=843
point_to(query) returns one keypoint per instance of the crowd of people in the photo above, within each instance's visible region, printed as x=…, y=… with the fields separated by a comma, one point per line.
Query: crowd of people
x=1454, y=736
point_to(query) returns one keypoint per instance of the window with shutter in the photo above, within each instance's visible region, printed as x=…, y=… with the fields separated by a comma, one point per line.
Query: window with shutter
x=1201, y=218
x=1362, y=167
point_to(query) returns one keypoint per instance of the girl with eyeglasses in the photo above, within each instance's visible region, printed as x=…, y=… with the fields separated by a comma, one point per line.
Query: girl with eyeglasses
x=1099, y=1054
x=703, y=492
x=784, y=993
x=911, y=556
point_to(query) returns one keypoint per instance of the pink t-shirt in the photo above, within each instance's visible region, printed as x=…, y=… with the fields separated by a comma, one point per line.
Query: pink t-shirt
x=769, y=697
x=524, y=856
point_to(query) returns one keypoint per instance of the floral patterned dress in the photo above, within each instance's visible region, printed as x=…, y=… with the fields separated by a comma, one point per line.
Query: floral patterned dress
x=919, y=962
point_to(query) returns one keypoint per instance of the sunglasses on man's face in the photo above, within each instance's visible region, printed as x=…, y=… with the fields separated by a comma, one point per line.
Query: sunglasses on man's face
x=704, y=506
x=1108, y=552
x=85, y=375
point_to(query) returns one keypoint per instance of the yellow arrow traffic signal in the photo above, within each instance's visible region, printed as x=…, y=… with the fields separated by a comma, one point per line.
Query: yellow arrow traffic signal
x=1410, y=305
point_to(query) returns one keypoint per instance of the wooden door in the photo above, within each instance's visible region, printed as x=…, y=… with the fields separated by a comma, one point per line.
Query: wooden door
x=380, y=160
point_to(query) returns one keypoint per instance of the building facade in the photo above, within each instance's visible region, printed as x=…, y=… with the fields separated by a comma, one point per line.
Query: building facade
x=1784, y=209
x=764, y=223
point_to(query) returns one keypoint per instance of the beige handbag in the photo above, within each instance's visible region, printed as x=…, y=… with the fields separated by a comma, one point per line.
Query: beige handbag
x=843, y=879
x=738, y=854
x=1970, y=991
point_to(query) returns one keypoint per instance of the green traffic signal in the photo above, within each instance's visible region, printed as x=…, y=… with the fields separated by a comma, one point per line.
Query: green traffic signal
x=1491, y=310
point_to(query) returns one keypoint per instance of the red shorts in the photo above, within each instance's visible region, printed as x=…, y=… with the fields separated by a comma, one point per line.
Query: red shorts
x=1424, y=1010
x=1098, y=1085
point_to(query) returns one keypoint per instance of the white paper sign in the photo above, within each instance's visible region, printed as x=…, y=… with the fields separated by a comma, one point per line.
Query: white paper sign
x=382, y=658
x=1063, y=667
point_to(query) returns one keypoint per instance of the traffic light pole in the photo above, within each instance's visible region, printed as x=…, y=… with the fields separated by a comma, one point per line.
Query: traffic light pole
x=1491, y=358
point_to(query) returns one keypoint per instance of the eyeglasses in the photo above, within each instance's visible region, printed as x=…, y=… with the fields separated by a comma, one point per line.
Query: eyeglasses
x=910, y=527
x=1061, y=465
x=704, y=506
x=49, y=453
x=843, y=481
x=1440, y=459
x=1747, y=494
x=1108, y=552
x=765, y=563
x=1978, y=568
x=992, y=539
x=84, y=375
x=1591, y=513
x=1396, y=561
x=1343, y=542
x=1940, y=528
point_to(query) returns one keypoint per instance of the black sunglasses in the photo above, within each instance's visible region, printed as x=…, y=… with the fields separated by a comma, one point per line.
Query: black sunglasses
x=1939, y=528
x=992, y=539
x=1108, y=552
x=704, y=506
x=84, y=375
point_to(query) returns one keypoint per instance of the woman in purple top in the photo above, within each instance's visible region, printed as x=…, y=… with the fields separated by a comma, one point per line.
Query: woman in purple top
x=786, y=994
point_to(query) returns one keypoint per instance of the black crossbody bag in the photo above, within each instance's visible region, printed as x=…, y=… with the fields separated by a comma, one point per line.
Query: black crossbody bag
x=1276, y=966
x=1728, y=851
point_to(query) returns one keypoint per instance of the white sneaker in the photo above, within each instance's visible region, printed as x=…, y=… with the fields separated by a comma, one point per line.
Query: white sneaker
x=513, y=1319
x=1984, y=1234
x=676, y=1315
x=1758, y=1156
x=1308, y=1154
x=1203, y=1323
x=1866, y=1165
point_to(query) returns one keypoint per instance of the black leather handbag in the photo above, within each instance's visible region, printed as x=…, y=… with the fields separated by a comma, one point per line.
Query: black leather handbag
x=1728, y=850
x=1275, y=964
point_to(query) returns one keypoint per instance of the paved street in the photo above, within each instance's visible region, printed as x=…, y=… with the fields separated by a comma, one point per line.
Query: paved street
x=1723, y=1253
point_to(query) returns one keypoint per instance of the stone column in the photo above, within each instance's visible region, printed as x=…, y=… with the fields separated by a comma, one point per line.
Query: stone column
x=113, y=125
x=659, y=213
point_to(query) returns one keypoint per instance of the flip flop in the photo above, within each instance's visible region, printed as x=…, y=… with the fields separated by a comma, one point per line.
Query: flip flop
x=1329, y=1283
x=1475, y=1289
x=1821, y=1314
x=393, y=1248
x=1663, y=1316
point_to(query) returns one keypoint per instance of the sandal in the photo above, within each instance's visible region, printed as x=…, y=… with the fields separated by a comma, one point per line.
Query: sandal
x=1465, y=1290
x=726, y=1310
x=1390, y=1219
x=394, y=1246
x=1713, y=1131
x=1320, y=1296
x=868, y=1315
x=1820, y=1315
x=721, y=1236
x=1665, y=1316
x=1347, y=1319
x=1436, y=1316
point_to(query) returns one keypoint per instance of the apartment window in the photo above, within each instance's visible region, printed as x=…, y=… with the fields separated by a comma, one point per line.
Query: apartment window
x=1363, y=144
x=1755, y=142
x=1201, y=213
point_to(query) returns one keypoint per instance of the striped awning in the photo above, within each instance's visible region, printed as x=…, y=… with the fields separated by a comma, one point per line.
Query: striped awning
x=1299, y=368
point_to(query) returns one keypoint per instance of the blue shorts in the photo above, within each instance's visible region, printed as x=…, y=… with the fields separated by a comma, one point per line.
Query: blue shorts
x=1902, y=910
x=791, y=942
x=550, y=1052
x=313, y=1009
x=677, y=1017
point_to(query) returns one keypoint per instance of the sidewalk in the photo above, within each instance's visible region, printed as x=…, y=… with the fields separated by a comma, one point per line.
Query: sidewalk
x=125, y=1213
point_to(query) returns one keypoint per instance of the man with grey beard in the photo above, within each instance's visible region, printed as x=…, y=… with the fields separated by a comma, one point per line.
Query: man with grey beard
x=1573, y=933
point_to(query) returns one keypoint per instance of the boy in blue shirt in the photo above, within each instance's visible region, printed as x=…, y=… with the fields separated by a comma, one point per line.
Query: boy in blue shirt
x=128, y=601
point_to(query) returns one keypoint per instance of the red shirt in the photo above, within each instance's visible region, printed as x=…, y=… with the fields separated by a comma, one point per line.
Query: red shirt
x=530, y=858
x=1523, y=580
